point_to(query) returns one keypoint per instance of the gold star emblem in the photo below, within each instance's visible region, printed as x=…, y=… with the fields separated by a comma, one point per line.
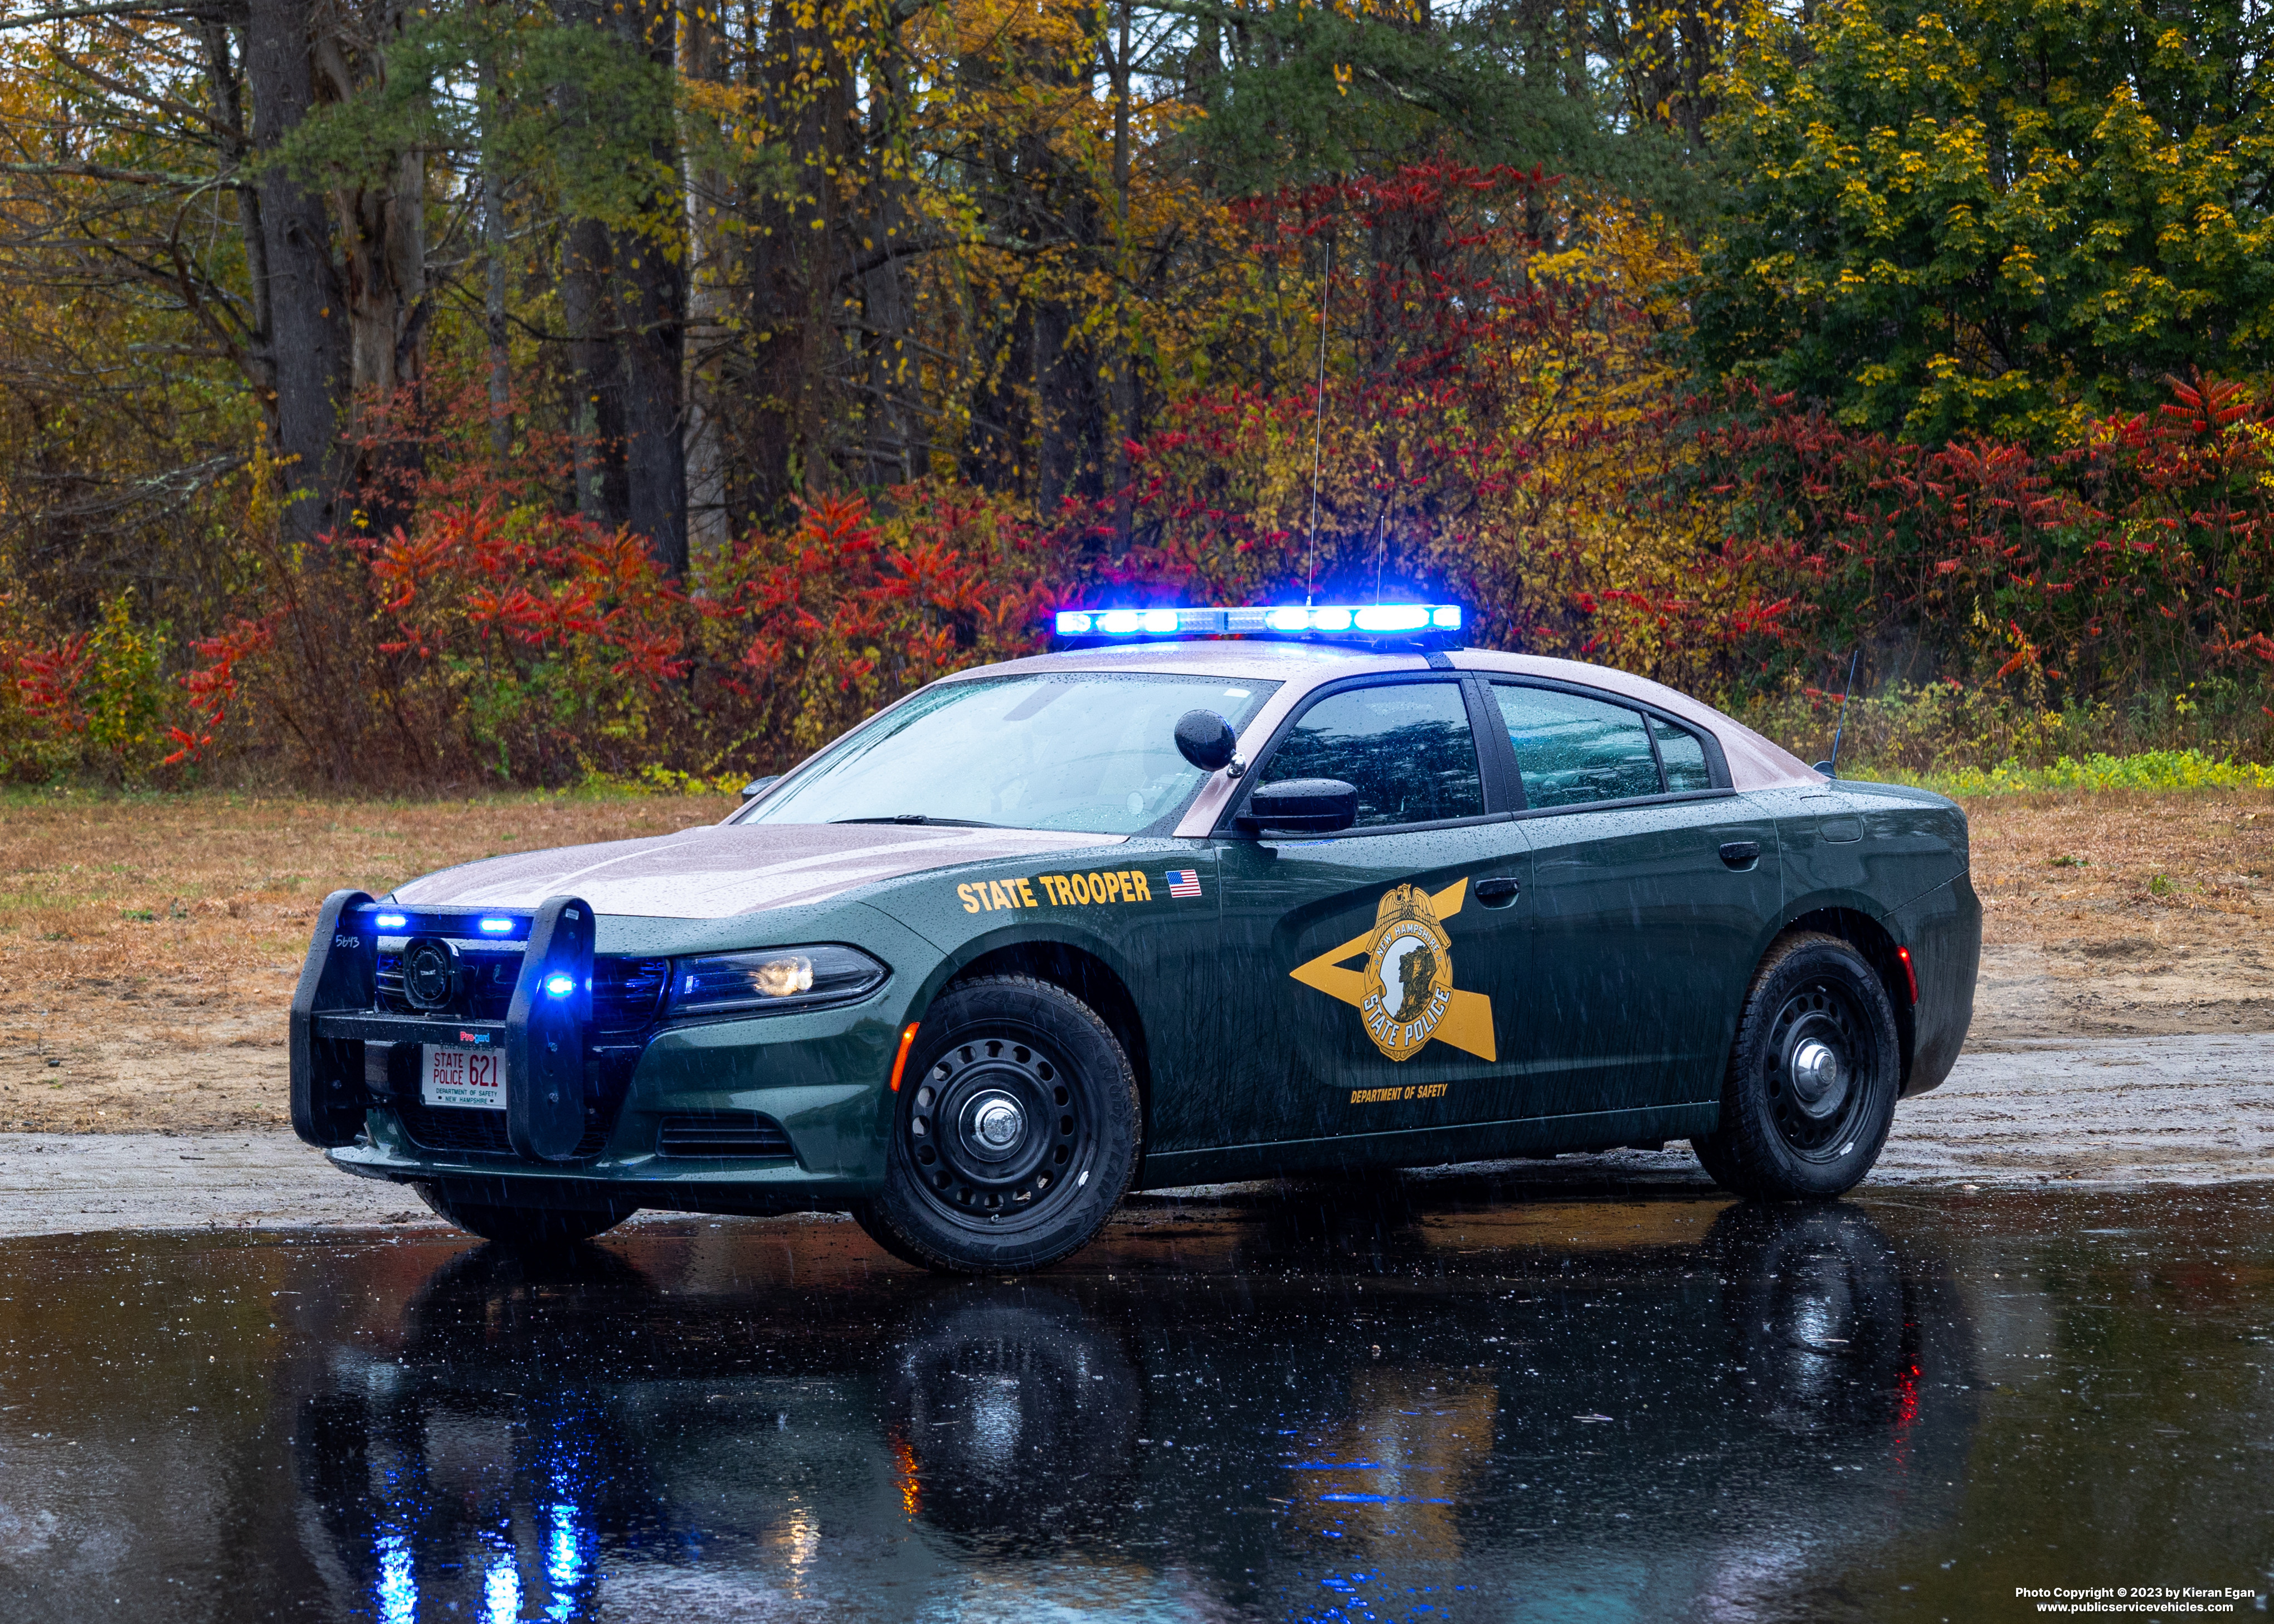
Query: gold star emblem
x=1406, y=993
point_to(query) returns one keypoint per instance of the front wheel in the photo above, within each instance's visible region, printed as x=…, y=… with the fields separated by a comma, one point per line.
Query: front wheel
x=524, y=1226
x=1015, y=1134
x=1812, y=1079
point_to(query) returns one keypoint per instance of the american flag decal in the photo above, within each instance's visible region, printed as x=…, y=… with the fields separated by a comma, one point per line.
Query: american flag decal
x=1184, y=882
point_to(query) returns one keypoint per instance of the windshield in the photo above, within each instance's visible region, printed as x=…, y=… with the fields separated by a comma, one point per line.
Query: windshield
x=1093, y=751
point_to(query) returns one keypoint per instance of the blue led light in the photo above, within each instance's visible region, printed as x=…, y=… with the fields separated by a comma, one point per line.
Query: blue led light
x=560, y=986
x=391, y=922
x=496, y=927
x=1287, y=619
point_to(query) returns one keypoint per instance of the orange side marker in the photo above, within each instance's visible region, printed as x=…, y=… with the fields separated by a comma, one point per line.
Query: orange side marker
x=900, y=1060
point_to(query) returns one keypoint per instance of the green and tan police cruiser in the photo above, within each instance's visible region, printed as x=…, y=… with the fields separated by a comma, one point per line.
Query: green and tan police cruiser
x=1170, y=905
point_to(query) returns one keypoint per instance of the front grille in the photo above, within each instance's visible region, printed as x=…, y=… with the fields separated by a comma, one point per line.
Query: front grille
x=626, y=992
x=477, y=1133
x=485, y=978
x=722, y=1133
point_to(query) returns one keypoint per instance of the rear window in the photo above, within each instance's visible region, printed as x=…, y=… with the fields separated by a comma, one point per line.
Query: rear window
x=1572, y=751
x=1683, y=754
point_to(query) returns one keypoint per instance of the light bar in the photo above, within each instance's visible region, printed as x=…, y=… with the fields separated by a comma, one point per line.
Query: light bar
x=496, y=927
x=1285, y=619
x=392, y=921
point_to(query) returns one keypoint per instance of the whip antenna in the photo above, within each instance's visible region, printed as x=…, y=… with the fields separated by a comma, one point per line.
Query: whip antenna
x=1830, y=769
x=1311, y=569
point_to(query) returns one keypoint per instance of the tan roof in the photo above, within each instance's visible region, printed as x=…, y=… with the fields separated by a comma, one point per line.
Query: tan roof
x=1754, y=761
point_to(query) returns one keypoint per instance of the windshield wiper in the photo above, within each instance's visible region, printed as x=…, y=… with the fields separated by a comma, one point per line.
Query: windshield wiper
x=919, y=818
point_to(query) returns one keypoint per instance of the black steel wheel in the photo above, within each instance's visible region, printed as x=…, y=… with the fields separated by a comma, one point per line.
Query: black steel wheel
x=514, y=1225
x=1813, y=1075
x=1015, y=1135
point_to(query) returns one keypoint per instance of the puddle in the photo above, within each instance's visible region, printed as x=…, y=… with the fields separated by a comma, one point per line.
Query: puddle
x=1365, y=1403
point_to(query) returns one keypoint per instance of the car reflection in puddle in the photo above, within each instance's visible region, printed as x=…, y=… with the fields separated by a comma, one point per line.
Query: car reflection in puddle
x=1476, y=1397
x=1695, y=1411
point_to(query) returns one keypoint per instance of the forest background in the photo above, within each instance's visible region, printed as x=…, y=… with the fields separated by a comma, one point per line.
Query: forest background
x=410, y=396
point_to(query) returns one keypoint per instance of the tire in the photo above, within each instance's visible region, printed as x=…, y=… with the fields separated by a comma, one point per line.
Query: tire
x=1028, y=1060
x=524, y=1226
x=1020, y=1414
x=1795, y=1131
x=1814, y=1312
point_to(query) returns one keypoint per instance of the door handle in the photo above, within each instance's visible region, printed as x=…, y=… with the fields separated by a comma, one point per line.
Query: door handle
x=1740, y=854
x=1496, y=892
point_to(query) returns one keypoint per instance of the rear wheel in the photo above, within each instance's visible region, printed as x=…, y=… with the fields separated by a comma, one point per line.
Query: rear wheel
x=1015, y=1136
x=1813, y=1075
x=524, y=1226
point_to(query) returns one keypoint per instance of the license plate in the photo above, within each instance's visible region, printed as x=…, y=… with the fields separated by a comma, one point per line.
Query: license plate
x=466, y=1076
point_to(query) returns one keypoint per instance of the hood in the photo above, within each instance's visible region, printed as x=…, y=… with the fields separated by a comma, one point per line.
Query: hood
x=725, y=870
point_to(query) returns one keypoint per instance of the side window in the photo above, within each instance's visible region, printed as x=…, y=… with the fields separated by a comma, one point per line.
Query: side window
x=1683, y=754
x=1407, y=746
x=1573, y=751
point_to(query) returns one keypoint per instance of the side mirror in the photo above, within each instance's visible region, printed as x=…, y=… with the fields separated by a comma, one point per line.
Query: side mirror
x=1824, y=767
x=1302, y=806
x=756, y=787
x=1205, y=739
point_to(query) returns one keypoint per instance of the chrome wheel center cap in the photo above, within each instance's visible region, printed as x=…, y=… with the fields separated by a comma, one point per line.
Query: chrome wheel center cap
x=1819, y=1081
x=993, y=1125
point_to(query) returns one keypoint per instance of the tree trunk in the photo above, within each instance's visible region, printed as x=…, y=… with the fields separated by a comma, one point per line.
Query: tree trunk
x=306, y=307
x=493, y=290
x=708, y=270
x=651, y=295
x=596, y=376
x=596, y=388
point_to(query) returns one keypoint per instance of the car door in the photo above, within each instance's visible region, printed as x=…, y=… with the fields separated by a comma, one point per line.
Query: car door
x=1368, y=971
x=1652, y=886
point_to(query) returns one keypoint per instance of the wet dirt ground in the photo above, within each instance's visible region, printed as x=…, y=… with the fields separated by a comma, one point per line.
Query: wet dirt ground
x=1477, y=1398
x=2104, y=1112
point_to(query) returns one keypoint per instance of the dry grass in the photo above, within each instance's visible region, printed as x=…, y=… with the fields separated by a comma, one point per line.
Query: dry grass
x=148, y=946
x=2125, y=911
x=2095, y=869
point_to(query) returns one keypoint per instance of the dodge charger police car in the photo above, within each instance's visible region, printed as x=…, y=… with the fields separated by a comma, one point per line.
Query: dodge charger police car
x=1203, y=894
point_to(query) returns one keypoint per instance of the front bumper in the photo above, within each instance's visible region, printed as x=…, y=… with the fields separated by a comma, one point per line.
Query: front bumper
x=821, y=1076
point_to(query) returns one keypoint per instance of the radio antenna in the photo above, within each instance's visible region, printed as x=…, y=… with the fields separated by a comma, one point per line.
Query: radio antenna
x=1830, y=769
x=1318, y=422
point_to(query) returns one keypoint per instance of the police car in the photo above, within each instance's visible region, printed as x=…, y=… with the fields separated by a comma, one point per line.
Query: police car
x=1203, y=894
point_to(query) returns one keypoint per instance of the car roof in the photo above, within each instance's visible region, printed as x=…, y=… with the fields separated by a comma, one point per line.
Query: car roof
x=1755, y=762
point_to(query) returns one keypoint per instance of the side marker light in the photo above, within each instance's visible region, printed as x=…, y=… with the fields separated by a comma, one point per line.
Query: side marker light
x=900, y=1060
x=1910, y=975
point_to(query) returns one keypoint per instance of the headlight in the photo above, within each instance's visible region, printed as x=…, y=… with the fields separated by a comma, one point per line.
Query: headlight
x=772, y=979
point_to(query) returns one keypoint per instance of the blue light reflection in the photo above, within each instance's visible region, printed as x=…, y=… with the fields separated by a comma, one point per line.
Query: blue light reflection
x=396, y=1589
